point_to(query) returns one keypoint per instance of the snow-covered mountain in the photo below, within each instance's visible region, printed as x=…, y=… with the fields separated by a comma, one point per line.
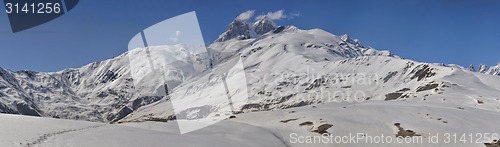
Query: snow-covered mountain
x=100, y=91
x=295, y=81
x=307, y=62
x=313, y=66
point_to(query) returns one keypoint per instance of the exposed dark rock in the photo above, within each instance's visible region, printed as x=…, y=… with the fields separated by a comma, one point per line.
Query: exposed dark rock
x=392, y=96
x=403, y=90
x=299, y=104
x=389, y=76
x=30, y=74
x=279, y=29
x=422, y=71
x=321, y=129
x=157, y=119
x=427, y=87
x=316, y=83
x=346, y=87
x=145, y=100
x=405, y=133
x=263, y=26
x=251, y=107
x=26, y=109
x=307, y=123
x=288, y=120
x=494, y=143
x=5, y=109
x=124, y=111
x=238, y=29
x=109, y=76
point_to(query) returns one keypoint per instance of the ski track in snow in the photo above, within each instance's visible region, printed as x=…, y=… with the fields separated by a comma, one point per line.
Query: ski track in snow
x=41, y=139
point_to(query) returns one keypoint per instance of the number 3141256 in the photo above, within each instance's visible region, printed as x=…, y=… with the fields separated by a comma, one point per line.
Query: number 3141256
x=39, y=8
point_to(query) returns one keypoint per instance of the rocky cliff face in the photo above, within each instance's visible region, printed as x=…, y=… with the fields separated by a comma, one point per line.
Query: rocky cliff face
x=263, y=26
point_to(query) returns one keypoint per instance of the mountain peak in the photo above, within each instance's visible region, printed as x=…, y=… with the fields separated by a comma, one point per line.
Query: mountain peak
x=348, y=39
x=471, y=68
x=237, y=29
x=493, y=70
x=263, y=25
x=482, y=68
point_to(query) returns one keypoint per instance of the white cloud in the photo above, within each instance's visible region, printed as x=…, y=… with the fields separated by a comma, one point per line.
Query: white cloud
x=273, y=15
x=246, y=15
x=175, y=36
x=280, y=14
x=293, y=15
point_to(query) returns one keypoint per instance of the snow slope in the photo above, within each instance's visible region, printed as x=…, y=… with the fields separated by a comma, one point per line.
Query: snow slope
x=267, y=128
x=378, y=118
x=34, y=131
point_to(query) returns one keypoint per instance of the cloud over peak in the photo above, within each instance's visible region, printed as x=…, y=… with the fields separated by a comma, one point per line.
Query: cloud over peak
x=277, y=15
x=273, y=15
x=245, y=15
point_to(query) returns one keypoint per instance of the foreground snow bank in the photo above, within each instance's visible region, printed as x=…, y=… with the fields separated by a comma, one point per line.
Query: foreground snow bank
x=34, y=131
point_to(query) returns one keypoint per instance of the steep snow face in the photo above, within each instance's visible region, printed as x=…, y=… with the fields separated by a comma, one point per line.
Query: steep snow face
x=238, y=29
x=263, y=25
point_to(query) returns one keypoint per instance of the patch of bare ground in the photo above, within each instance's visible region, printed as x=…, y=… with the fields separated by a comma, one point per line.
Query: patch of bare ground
x=307, y=123
x=320, y=127
x=494, y=143
x=392, y=96
x=405, y=133
x=288, y=120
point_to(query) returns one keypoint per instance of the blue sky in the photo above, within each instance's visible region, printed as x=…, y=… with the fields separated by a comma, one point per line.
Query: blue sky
x=444, y=31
